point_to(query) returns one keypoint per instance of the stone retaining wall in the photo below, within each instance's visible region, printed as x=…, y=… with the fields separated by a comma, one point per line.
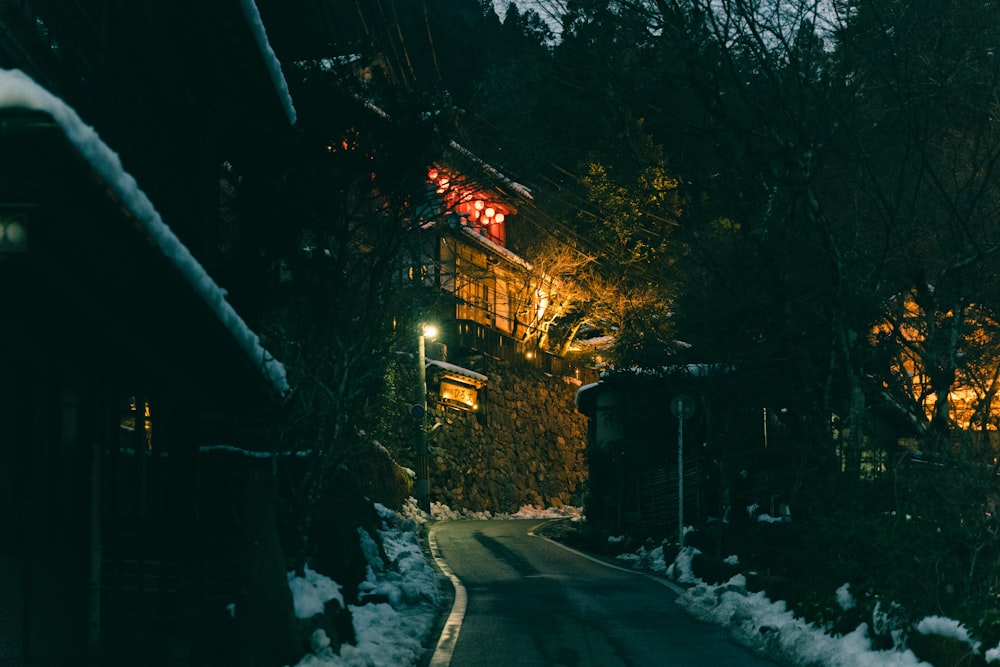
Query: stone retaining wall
x=527, y=448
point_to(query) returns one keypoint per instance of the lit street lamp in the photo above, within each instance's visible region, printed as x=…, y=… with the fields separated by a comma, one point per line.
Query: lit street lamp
x=423, y=488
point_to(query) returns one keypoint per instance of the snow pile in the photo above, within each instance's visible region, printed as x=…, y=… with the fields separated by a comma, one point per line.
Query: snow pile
x=771, y=629
x=532, y=512
x=645, y=558
x=767, y=627
x=391, y=633
x=312, y=591
x=682, y=570
x=442, y=512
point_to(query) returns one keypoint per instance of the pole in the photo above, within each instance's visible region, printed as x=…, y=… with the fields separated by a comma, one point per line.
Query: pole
x=423, y=489
x=680, y=473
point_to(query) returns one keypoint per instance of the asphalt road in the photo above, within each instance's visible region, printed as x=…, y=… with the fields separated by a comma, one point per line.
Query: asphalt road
x=528, y=601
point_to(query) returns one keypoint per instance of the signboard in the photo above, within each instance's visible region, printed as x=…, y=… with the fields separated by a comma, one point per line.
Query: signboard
x=459, y=395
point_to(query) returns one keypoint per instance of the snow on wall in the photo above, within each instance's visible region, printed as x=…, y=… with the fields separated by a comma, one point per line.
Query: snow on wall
x=17, y=90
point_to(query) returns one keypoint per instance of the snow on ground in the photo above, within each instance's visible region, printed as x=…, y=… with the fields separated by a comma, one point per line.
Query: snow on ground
x=394, y=633
x=389, y=634
x=769, y=628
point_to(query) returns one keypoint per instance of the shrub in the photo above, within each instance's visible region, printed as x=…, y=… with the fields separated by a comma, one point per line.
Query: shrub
x=712, y=570
x=942, y=651
x=379, y=477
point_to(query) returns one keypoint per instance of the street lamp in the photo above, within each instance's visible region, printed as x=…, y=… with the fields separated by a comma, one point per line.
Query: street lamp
x=423, y=488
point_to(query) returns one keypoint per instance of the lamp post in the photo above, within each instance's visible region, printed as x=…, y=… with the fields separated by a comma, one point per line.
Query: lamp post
x=423, y=488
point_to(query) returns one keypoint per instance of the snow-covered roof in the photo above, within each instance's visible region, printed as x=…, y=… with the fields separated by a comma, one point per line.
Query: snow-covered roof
x=19, y=91
x=252, y=14
x=457, y=370
x=495, y=248
x=583, y=390
x=491, y=170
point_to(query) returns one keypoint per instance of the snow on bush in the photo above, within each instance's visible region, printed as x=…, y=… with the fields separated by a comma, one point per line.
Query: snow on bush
x=844, y=597
x=681, y=570
x=947, y=627
x=312, y=591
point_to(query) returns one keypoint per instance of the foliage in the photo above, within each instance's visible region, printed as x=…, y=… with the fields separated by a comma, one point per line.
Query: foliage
x=633, y=208
x=713, y=570
x=380, y=478
x=942, y=650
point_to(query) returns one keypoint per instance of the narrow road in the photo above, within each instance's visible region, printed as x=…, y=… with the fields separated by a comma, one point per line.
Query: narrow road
x=530, y=602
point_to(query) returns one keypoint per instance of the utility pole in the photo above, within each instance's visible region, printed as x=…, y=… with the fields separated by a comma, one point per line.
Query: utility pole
x=423, y=485
x=682, y=407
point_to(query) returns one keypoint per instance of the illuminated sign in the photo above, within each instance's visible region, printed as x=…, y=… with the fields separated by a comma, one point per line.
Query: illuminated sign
x=459, y=395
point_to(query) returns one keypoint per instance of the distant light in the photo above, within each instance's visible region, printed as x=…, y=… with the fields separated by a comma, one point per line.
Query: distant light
x=429, y=331
x=13, y=234
x=498, y=218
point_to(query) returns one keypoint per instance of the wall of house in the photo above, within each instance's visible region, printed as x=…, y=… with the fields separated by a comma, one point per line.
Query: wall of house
x=526, y=449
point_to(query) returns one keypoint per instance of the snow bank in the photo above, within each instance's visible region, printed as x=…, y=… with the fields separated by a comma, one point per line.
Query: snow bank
x=771, y=629
x=389, y=634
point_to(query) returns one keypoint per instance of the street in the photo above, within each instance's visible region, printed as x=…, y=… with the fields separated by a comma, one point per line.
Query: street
x=529, y=601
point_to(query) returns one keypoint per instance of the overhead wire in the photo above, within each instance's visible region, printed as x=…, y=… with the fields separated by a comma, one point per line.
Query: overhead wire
x=430, y=40
x=541, y=219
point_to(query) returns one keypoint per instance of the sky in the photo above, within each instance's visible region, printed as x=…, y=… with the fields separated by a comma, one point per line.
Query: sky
x=393, y=634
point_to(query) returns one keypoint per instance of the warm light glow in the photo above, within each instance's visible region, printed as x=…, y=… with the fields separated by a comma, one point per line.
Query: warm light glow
x=459, y=395
x=429, y=331
x=473, y=205
x=968, y=405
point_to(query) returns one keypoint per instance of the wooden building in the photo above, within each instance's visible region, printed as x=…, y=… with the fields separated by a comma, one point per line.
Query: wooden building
x=116, y=119
x=498, y=303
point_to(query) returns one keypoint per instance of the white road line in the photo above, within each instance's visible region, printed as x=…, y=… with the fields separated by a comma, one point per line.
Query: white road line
x=449, y=635
x=664, y=582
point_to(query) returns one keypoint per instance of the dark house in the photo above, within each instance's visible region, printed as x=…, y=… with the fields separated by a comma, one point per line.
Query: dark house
x=116, y=120
x=634, y=451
